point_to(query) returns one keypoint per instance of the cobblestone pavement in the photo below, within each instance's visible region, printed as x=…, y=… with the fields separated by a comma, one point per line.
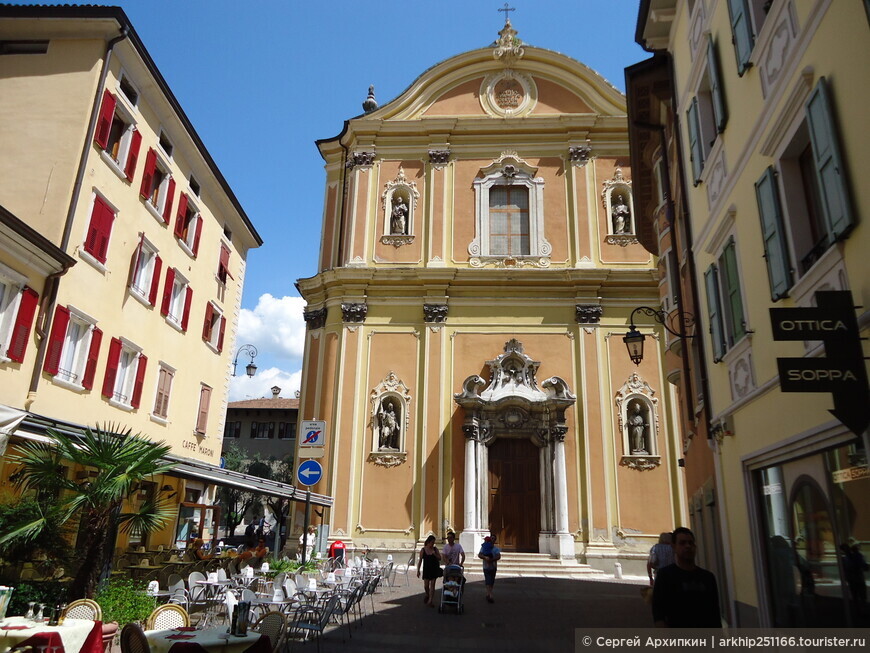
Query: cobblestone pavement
x=529, y=615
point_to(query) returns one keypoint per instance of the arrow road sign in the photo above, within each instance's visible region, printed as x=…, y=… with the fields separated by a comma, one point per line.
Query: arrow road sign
x=309, y=472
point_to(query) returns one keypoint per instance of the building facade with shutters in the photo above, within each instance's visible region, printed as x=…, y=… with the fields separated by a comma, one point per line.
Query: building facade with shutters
x=132, y=322
x=764, y=105
x=478, y=268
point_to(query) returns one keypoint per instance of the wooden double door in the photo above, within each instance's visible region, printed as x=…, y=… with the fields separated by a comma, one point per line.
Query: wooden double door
x=515, y=494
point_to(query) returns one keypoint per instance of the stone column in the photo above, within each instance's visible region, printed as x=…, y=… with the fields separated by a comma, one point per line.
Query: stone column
x=565, y=542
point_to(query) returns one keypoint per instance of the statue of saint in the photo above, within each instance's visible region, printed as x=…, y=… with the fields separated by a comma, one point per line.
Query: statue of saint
x=388, y=435
x=636, y=429
x=621, y=215
x=399, y=217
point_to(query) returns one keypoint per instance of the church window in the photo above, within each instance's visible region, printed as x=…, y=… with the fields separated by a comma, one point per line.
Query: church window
x=509, y=213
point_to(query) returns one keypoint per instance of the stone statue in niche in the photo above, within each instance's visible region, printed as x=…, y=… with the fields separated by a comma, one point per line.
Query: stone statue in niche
x=621, y=215
x=388, y=427
x=399, y=217
x=637, y=429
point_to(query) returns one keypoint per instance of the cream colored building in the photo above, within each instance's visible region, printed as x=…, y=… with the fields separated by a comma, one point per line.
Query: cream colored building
x=770, y=99
x=98, y=158
x=478, y=266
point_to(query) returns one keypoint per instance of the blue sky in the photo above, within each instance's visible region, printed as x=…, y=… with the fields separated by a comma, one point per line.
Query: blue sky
x=261, y=80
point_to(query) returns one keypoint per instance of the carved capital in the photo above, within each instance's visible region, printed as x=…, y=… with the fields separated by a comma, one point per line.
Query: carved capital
x=439, y=158
x=580, y=154
x=360, y=159
x=588, y=313
x=434, y=312
x=315, y=319
x=354, y=312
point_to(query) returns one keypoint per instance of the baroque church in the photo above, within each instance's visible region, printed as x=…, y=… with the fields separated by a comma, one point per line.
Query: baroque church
x=478, y=270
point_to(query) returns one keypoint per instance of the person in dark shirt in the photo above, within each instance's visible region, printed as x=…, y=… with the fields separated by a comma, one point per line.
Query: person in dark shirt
x=684, y=594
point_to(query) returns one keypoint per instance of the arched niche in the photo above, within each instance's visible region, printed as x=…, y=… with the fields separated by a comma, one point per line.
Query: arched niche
x=638, y=424
x=399, y=204
x=390, y=417
x=616, y=197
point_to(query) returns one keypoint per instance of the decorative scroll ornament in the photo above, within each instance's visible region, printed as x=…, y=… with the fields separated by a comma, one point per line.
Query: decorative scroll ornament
x=354, y=312
x=383, y=459
x=362, y=158
x=641, y=463
x=579, y=155
x=508, y=93
x=397, y=240
x=315, y=318
x=588, y=313
x=508, y=48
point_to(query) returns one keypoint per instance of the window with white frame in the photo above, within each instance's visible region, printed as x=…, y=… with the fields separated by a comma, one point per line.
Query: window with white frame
x=125, y=373
x=99, y=230
x=165, y=377
x=214, y=326
x=158, y=186
x=707, y=114
x=117, y=135
x=145, y=271
x=177, y=299
x=188, y=224
x=509, y=213
x=803, y=200
x=18, y=304
x=725, y=301
x=73, y=348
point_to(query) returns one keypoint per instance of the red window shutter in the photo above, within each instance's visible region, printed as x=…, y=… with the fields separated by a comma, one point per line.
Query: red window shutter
x=206, y=325
x=55, y=340
x=155, y=281
x=198, y=234
x=188, y=300
x=133, y=155
x=167, y=209
x=99, y=230
x=167, y=291
x=112, y=368
x=182, y=213
x=221, y=335
x=104, y=122
x=140, y=381
x=148, y=173
x=202, y=417
x=93, y=353
x=224, y=264
x=23, y=322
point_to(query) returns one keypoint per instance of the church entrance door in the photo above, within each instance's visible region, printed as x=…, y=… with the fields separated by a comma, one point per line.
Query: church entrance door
x=515, y=494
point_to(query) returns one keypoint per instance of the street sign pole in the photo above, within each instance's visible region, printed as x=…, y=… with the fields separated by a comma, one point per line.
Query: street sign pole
x=307, y=517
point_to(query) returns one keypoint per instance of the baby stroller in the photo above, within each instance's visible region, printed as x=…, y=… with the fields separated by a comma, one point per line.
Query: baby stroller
x=451, y=590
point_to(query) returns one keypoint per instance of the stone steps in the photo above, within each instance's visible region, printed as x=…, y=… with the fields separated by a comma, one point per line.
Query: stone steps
x=535, y=565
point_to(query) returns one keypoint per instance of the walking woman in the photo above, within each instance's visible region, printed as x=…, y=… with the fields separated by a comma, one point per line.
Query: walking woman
x=430, y=559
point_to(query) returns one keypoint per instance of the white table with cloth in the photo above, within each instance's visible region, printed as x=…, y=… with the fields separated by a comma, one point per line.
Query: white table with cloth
x=214, y=640
x=73, y=636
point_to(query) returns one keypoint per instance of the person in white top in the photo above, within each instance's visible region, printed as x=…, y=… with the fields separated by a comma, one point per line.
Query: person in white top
x=452, y=553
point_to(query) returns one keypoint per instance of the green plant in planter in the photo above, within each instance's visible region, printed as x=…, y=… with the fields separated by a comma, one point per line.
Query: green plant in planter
x=124, y=601
x=280, y=566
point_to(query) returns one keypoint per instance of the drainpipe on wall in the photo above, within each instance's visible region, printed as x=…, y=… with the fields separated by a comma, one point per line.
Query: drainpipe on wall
x=46, y=308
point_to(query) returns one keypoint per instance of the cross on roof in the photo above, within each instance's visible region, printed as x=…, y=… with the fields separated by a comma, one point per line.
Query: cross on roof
x=506, y=10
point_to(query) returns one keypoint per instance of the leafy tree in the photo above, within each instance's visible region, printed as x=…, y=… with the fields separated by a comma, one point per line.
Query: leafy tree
x=234, y=501
x=122, y=461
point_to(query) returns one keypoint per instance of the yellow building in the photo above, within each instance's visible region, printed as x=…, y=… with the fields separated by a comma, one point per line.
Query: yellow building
x=478, y=267
x=770, y=99
x=119, y=295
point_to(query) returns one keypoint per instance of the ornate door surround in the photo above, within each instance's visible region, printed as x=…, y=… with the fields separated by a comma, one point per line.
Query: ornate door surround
x=513, y=406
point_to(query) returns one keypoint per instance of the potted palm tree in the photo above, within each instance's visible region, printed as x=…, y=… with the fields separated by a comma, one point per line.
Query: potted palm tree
x=119, y=461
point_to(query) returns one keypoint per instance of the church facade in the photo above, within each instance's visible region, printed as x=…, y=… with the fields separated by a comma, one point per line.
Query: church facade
x=478, y=270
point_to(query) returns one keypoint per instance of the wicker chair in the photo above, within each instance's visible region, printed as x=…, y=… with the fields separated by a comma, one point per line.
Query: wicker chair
x=84, y=609
x=133, y=640
x=168, y=616
x=273, y=625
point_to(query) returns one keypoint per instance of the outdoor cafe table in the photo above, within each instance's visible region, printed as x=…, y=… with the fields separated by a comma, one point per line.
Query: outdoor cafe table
x=213, y=640
x=74, y=636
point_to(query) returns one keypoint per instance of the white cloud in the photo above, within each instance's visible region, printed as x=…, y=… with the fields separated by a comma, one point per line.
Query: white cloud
x=275, y=327
x=242, y=387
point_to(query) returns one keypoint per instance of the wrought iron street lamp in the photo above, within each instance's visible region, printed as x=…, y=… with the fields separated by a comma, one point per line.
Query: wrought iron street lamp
x=634, y=339
x=248, y=350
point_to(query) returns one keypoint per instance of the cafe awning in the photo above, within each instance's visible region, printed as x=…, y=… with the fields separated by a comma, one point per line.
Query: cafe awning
x=33, y=427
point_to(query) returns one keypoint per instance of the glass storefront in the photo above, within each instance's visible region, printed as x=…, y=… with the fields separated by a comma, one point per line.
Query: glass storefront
x=816, y=528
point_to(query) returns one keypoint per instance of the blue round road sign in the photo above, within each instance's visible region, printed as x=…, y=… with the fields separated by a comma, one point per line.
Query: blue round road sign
x=309, y=472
